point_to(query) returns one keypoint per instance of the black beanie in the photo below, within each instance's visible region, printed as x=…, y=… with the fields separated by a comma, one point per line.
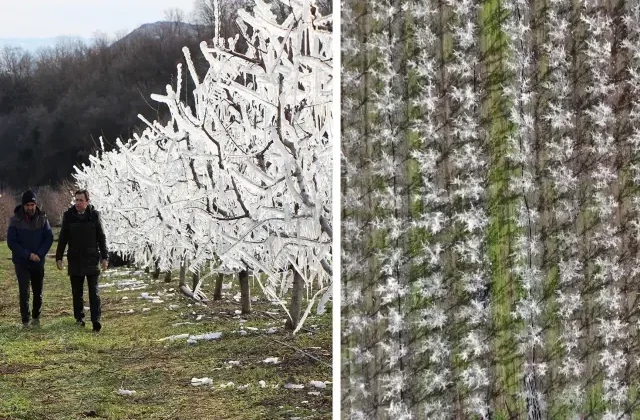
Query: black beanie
x=28, y=197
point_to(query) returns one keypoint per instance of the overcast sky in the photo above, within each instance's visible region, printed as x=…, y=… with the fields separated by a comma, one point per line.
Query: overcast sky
x=52, y=18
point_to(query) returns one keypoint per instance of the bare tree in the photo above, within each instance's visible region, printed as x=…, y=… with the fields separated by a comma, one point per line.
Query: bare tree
x=204, y=15
x=175, y=17
x=16, y=62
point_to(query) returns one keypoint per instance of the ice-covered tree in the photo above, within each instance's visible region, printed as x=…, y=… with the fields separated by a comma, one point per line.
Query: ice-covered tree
x=243, y=172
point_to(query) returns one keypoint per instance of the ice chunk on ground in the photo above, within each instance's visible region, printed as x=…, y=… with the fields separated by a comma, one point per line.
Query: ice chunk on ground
x=130, y=311
x=318, y=384
x=207, y=337
x=125, y=392
x=178, y=324
x=201, y=381
x=175, y=337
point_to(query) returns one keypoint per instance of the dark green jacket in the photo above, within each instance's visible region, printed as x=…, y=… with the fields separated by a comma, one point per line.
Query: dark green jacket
x=86, y=240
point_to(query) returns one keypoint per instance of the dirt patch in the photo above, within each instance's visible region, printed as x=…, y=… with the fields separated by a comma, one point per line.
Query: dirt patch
x=13, y=368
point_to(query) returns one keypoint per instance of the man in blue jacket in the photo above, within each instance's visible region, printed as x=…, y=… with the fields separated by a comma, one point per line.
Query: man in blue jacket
x=29, y=237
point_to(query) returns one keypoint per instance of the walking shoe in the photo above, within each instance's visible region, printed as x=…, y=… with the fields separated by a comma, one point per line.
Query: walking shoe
x=97, y=326
x=35, y=322
x=80, y=323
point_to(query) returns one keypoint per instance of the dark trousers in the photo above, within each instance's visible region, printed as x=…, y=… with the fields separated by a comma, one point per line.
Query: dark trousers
x=77, y=284
x=33, y=276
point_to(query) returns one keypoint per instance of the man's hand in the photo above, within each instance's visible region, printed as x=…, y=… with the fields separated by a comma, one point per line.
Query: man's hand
x=59, y=264
x=105, y=264
x=34, y=257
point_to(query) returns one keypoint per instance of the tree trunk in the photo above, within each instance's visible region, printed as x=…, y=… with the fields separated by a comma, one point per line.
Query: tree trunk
x=183, y=274
x=195, y=278
x=217, y=293
x=167, y=277
x=156, y=272
x=182, y=281
x=296, y=301
x=245, y=296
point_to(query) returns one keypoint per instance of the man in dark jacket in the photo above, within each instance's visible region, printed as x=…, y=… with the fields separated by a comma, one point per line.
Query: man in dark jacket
x=29, y=237
x=82, y=230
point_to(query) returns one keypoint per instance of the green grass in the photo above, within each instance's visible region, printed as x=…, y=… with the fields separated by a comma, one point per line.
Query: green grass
x=504, y=288
x=62, y=371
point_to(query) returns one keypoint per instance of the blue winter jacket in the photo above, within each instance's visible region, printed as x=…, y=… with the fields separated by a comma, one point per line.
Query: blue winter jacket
x=26, y=235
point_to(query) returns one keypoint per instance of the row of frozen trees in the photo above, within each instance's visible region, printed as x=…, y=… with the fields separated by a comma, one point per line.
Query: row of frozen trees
x=491, y=201
x=239, y=179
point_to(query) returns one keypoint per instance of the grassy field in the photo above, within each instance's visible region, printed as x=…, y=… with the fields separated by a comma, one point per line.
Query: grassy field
x=63, y=371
